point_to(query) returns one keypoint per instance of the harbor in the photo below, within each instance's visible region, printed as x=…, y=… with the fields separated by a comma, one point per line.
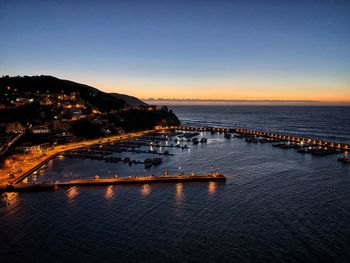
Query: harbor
x=175, y=131
x=164, y=140
x=268, y=135
x=301, y=144
x=24, y=167
x=138, y=149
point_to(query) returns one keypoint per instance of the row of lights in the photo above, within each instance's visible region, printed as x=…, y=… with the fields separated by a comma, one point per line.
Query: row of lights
x=292, y=138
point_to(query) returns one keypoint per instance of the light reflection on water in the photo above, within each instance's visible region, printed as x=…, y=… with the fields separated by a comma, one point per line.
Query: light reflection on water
x=145, y=190
x=212, y=188
x=72, y=192
x=109, y=192
x=10, y=198
x=179, y=193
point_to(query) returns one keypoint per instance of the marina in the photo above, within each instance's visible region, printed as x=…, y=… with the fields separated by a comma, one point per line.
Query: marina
x=301, y=144
x=268, y=135
x=148, y=144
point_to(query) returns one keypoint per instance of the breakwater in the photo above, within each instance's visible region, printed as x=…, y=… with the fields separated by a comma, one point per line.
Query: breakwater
x=113, y=181
x=271, y=135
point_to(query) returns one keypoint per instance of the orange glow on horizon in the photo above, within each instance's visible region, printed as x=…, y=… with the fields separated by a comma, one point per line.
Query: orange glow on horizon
x=325, y=95
x=240, y=88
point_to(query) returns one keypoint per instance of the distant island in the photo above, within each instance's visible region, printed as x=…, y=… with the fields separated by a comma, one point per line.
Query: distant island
x=55, y=111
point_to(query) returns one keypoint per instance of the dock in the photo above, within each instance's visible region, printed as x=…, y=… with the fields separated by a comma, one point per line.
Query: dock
x=20, y=187
x=277, y=136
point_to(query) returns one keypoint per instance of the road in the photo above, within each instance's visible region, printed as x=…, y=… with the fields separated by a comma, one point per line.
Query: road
x=8, y=145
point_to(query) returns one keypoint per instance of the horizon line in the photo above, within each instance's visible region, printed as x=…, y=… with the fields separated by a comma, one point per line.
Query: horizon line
x=229, y=100
x=276, y=102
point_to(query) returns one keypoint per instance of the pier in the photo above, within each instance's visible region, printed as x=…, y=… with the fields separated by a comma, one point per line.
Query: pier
x=270, y=135
x=114, y=181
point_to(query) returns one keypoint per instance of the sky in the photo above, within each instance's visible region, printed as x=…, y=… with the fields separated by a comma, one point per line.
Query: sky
x=208, y=50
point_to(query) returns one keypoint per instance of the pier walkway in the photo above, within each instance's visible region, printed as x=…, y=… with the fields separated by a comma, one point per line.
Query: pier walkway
x=113, y=181
x=282, y=137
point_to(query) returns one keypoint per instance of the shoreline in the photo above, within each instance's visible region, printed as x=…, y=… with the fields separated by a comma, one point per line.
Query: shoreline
x=57, y=150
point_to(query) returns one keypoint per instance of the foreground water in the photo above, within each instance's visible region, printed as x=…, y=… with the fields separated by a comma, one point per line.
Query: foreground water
x=276, y=206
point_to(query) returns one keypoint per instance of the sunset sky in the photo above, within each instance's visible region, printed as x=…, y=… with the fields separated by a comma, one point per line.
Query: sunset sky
x=239, y=50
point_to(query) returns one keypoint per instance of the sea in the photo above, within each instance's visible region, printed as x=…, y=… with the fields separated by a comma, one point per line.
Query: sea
x=277, y=205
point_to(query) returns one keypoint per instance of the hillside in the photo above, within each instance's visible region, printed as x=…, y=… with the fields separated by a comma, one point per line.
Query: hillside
x=47, y=84
x=45, y=100
x=130, y=100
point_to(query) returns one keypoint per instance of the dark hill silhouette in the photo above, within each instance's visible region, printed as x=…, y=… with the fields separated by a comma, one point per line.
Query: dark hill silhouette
x=43, y=84
x=42, y=110
x=130, y=100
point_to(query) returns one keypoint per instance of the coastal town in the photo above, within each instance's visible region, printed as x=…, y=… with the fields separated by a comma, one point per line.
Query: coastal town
x=41, y=115
x=19, y=166
x=39, y=123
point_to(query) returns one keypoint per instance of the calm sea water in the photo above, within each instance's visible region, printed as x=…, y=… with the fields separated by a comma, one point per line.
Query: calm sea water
x=330, y=123
x=276, y=205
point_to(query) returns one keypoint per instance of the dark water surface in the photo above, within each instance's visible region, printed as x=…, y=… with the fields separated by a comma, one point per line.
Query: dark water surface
x=330, y=123
x=276, y=205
